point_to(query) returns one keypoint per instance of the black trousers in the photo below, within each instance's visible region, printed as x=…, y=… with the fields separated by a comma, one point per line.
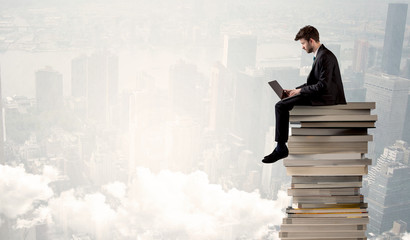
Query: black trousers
x=282, y=109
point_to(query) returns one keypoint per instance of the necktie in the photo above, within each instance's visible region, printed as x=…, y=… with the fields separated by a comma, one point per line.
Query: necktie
x=314, y=58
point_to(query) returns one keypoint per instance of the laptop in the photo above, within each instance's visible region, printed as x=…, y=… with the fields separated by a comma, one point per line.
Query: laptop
x=279, y=90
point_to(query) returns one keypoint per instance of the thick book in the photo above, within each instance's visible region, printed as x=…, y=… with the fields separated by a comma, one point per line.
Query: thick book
x=289, y=238
x=324, y=205
x=349, y=105
x=324, y=111
x=326, y=221
x=345, y=155
x=325, y=210
x=330, y=139
x=325, y=162
x=327, y=171
x=321, y=235
x=298, y=192
x=311, y=150
x=335, y=118
x=327, y=185
x=326, y=215
x=338, y=124
x=298, y=131
x=325, y=179
x=321, y=227
x=328, y=199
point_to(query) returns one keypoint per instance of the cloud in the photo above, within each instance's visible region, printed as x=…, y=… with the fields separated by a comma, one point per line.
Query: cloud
x=38, y=216
x=89, y=213
x=406, y=236
x=189, y=207
x=19, y=190
x=176, y=205
x=116, y=189
x=169, y=204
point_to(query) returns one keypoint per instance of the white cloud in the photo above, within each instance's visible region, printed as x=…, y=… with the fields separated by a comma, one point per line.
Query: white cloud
x=38, y=216
x=190, y=207
x=176, y=205
x=19, y=190
x=89, y=213
x=406, y=236
x=170, y=204
x=116, y=189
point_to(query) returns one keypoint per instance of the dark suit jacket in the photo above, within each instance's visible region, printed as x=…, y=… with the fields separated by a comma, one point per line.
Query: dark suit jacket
x=324, y=84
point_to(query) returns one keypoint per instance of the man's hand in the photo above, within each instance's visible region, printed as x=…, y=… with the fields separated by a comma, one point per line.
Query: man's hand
x=290, y=93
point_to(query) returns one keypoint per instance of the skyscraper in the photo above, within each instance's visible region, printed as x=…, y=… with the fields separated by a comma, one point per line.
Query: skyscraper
x=389, y=192
x=49, y=89
x=220, y=95
x=393, y=38
x=239, y=52
x=361, y=49
x=79, y=73
x=2, y=160
x=390, y=94
x=102, y=85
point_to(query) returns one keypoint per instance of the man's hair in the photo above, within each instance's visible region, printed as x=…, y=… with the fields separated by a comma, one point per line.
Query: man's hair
x=308, y=32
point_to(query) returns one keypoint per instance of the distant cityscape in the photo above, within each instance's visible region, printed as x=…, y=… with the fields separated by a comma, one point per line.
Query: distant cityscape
x=156, y=89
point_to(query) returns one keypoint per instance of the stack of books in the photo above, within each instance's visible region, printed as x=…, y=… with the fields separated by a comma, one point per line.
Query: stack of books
x=327, y=147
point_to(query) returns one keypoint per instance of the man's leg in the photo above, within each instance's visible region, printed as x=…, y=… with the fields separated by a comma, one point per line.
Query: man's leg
x=282, y=109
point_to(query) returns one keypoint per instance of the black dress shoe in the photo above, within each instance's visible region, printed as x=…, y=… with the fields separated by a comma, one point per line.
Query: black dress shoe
x=275, y=156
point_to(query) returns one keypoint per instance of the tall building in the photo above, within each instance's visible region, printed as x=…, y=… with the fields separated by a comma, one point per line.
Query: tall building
x=361, y=50
x=239, y=52
x=252, y=109
x=49, y=89
x=79, y=74
x=2, y=129
x=102, y=85
x=188, y=88
x=390, y=94
x=389, y=192
x=220, y=97
x=393, y=38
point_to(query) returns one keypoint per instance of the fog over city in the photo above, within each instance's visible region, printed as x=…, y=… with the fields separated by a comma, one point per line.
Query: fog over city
x=149, y=119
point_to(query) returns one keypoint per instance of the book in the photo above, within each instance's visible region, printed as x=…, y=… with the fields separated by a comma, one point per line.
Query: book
x=349, y=105
x=287, y=238
x=327, y=171
x=328, y=199
x=327, y=144
x=325, y=210
x=321, y=235
x=338, y=124
x=334, y=118
x=325, y=162
x=298, y=131
x=307, y=150
x=327, y=185
x=324, y=205
x=326, y=221
x=321, y=227
x=335, y=156
x=330, y=139
x=298, y=192
x=325, y=179
x=324, y=111
x=326, y=215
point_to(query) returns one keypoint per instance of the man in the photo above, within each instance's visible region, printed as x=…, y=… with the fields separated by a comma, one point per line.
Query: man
x=323, y=87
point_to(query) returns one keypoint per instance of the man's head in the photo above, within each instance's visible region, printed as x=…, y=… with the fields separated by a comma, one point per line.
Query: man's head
x=309, y=38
